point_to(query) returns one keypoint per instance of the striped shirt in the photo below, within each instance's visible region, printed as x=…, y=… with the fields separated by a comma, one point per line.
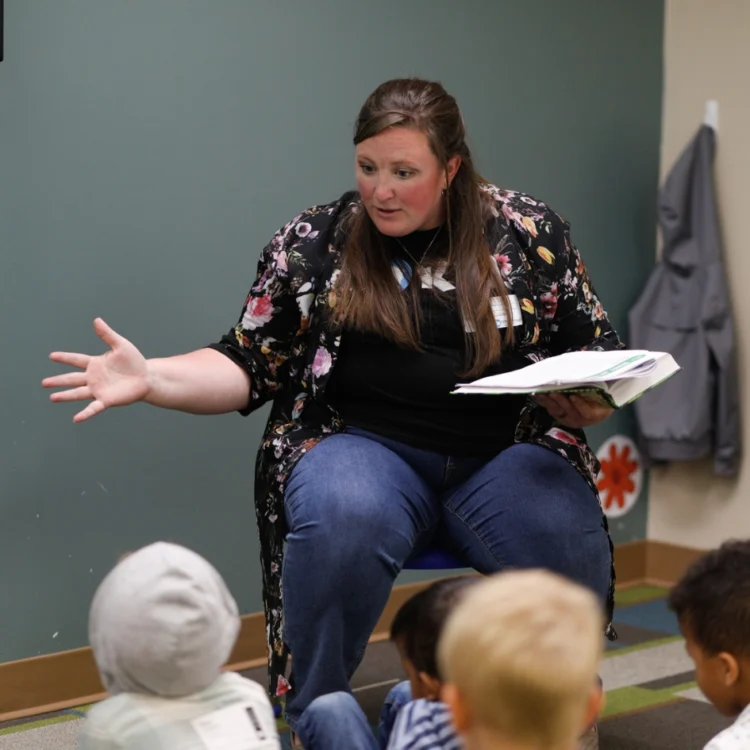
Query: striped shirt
x=736, y=737
x=424, y=725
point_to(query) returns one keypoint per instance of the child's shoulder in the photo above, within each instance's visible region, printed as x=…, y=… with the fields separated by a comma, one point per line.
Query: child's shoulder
x=116, y=715
x=103, y=719
x=112, y=705
x=424, y=723
x=231, y=683
x=735, y=737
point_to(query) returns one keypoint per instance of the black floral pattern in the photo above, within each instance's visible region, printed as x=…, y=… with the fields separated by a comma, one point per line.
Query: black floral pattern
x=288, y=344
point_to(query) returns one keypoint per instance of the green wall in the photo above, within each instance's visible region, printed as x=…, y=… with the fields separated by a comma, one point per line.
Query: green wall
x=149, y=148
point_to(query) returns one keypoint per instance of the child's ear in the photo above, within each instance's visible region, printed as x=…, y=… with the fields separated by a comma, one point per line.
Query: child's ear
x=594, y=706
x=729, y=667
x=431, y=686
x=460, y=712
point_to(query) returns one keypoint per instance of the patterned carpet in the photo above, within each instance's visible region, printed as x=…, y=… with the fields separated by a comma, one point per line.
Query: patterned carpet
x=652, y=700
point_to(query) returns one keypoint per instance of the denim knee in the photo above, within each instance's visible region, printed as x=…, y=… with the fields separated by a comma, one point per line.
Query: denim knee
x=332, y=704
x=398, y=696
x=335, y=720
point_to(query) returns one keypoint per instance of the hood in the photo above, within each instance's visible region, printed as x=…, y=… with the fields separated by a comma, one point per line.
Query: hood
x=162, y=622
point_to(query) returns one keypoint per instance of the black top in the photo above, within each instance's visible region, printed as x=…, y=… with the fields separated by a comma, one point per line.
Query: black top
x=406, y=395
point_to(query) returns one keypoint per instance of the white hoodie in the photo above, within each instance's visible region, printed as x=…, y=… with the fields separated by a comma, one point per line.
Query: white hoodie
x=162, y=625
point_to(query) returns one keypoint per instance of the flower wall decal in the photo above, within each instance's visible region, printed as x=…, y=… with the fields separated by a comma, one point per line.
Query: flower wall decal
x=621, y=475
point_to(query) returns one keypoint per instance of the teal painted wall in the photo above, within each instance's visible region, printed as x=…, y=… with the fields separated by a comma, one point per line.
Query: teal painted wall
x=149, y=149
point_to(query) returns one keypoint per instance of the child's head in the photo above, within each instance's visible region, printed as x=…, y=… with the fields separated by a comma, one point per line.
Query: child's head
x=712, y=604
x=519, y=656
x=162, y=622
x=416, y=630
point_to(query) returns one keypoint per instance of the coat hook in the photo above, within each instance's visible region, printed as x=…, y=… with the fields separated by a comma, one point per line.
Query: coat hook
x=711, y=118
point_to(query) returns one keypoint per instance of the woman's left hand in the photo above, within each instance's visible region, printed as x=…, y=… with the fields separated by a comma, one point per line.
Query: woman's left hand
x=573, y=411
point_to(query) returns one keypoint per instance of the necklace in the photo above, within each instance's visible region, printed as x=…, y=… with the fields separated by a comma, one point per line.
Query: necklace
x=424, y=254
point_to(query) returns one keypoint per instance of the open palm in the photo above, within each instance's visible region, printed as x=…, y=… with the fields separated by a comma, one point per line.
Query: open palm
x=116, y=378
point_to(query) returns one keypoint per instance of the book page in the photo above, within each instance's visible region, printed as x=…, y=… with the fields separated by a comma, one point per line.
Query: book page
x=575, y=368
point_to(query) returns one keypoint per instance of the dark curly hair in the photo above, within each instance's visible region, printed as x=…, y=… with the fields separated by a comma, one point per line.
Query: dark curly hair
x=419, y=622
x=712, y=601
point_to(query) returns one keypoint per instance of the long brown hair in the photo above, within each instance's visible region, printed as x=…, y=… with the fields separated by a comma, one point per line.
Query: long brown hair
x=368, y=298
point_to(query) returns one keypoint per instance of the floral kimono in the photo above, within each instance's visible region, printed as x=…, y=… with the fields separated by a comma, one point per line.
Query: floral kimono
x=287, y=342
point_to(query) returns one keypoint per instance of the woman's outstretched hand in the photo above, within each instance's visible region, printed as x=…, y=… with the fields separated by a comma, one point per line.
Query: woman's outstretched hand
x=116, y=378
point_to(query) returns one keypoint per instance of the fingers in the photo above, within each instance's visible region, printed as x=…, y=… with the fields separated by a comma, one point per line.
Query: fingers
x=555, y=404
x=75, y=394
x=591, y=411
x=78, y=394
x=571, y=417
x=94, y=408
x=74, y=359
x=574, y=411
x=543, y=401
x=106, y=334
x=68, y=380
x=71, y=359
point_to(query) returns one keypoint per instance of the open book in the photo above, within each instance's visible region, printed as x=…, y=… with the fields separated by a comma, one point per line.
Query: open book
x=617, y=377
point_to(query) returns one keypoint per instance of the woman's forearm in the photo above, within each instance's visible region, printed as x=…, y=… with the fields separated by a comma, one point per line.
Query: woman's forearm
x=201, y=382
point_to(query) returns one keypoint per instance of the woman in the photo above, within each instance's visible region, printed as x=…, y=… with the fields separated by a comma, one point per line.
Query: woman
x=364, y=315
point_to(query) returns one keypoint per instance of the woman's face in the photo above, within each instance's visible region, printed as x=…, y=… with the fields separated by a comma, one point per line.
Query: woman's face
x=401, y=181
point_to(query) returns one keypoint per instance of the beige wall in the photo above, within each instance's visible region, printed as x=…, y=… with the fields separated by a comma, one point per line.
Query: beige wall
x=707, y=56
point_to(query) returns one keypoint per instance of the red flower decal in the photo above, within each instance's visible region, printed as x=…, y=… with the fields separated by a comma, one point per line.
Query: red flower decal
x=615, y=479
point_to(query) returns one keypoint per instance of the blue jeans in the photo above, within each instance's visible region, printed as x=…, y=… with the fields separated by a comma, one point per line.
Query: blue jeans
x=336, y=718
x=398, y=696
x=336, y=721
x=357, y=506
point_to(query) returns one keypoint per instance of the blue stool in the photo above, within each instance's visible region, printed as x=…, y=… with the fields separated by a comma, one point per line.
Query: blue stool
x=434, y=558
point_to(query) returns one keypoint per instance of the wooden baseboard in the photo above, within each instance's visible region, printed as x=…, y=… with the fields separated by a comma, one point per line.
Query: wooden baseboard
x=48, y=683
x=667, y=563
x=630, y=563
x=70, y=678
x=654, y=563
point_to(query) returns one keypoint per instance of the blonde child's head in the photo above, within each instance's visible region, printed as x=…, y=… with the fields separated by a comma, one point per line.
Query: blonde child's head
x=519, y=657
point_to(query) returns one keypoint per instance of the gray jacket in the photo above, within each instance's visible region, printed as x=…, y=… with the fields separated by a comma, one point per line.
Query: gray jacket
x=685, y=310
